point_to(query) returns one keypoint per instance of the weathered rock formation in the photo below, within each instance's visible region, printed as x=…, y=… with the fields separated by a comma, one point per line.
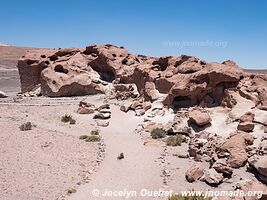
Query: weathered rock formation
x=183, y=80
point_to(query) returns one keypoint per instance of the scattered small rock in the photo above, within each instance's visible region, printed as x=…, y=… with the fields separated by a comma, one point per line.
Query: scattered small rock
x=120, y=156
x=102, y=116
x=102, y=123
x=126, y=106
x=3, y=95
x=212, y=177
x=222, y=167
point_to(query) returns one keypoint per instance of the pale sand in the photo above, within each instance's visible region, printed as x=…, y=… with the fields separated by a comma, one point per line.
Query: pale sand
x=46, y=161
x=138, y=170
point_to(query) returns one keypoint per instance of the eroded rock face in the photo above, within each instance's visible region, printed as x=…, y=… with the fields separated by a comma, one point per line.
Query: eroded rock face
x=253, y=87
x=182, y=80
x=70, y=76
x=228, y=99
x=211, y=81
x=30, y=67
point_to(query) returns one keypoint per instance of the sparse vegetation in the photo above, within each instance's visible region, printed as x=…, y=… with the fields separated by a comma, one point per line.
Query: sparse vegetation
x=120, y=156
x=71, y=190
x=72, y=121
x=180, y=197
x=26, y=126
x=92, y=138
x=176, y=140
x=158, y=133
x=83, y=137
x=95, y=132
x=68, y=118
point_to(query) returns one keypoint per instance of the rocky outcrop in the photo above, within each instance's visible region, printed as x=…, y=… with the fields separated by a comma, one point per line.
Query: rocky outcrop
x=30, y=67
x=182, y=80
x=210, y=81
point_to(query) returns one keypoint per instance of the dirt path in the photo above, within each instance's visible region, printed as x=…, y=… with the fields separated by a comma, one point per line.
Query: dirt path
x=137, y=171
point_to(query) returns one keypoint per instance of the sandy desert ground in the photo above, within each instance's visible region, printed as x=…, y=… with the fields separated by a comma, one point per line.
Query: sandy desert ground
x=50, y=161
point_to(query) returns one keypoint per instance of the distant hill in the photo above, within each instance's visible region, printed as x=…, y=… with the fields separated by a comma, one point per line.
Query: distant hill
x=258, y=71
x=9, y=56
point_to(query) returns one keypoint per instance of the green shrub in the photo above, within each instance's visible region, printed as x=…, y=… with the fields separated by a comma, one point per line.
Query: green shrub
x=83, y=137
x=180, y=197
x=68, y=118
x=158, y=133
x=176, y=140
x=26, y=126
x=71, y=190
x=92, y=138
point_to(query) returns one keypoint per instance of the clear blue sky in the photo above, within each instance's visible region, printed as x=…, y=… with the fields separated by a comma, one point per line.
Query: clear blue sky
x=213, y=30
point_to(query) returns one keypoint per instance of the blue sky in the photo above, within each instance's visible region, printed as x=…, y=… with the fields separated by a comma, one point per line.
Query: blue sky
x=213, y=30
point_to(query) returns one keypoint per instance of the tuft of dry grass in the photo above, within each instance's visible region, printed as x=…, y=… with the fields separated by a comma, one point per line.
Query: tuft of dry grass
x=158, y=133
x=181, y=197
x=90, y=138
x=71, y=190
x=68, y=118
x=176, y=140
x=26, y=126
